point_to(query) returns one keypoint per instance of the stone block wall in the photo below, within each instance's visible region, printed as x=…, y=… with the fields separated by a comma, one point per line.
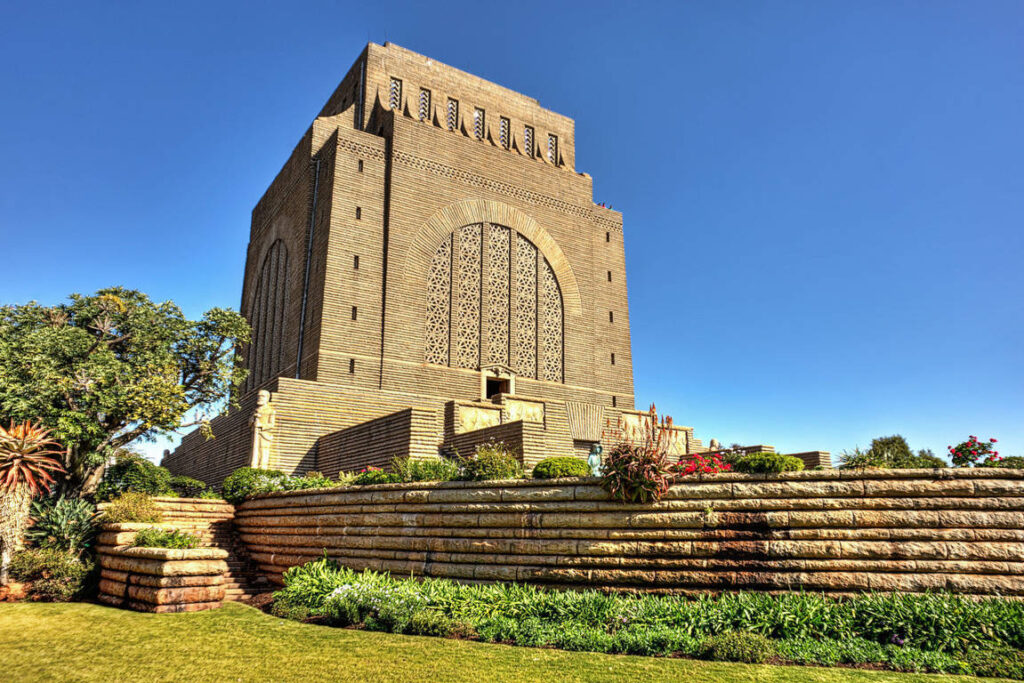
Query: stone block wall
x=521, y=437
x=836, y=531
x=410, y=433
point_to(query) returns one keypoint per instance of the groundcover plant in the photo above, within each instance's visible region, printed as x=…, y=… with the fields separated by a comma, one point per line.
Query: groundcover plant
x=940, y=633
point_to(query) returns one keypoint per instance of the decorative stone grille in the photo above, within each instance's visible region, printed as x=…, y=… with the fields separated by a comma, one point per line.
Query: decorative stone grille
x=492, y=298
x=439, y=292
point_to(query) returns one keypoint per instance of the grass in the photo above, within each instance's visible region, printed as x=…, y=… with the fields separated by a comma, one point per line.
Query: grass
x=86, y=642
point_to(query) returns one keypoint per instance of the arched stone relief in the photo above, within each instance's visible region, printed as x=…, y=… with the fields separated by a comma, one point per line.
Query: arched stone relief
x=267, y=309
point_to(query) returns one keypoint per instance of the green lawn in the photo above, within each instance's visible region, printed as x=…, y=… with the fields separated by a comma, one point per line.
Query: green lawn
x=84, y=642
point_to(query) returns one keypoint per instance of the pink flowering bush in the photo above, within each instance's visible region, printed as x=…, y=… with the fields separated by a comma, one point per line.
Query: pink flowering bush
x=968, y=453
x=701, y=463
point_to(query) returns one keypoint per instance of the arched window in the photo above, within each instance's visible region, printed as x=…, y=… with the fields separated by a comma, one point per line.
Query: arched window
x=266, y=351
x=492, y=298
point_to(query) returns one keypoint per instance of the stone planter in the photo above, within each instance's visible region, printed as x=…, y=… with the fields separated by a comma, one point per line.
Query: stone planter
x=158, y=579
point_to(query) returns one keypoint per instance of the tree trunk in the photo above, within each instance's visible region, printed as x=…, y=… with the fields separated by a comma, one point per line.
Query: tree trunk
x=15, y=504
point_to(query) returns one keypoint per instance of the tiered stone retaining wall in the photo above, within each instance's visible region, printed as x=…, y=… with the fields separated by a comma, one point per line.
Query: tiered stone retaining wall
x=834, y=531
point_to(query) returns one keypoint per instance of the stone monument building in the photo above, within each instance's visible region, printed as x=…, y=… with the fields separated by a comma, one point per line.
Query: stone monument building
x=427, y=272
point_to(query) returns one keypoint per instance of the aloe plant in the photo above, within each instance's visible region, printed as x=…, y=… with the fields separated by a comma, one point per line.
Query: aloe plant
x=27, y=466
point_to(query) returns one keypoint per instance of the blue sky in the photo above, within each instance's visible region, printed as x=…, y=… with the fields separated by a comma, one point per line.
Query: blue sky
x=823, y=201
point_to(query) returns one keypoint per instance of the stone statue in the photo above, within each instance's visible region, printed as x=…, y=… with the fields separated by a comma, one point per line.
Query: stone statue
x=263, y=421
x=594, y=459
x=714, y=445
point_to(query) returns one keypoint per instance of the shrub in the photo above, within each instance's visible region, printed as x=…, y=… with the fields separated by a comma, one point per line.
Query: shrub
x=968, y=453
x=637, y=468
x=55, y=575
x=63, y=524
x=890, y=452
x=553, y=468
x=210, y=494
x=288, y=610
x=493, y=460
x=187, y=487
x=310, y=480
x=248, y=481
x=132, y=472
x=701, y=463
x=1012, y=462
x=758, y=463
x=375, y=475
x=132, y=506
x=739, y=646
x=430, y=622
x=997, y=663
x=433, y=469
x=165, y=538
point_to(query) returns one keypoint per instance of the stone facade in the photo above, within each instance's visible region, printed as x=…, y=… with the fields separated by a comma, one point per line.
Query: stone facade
x=428, y=241
x=837, y=531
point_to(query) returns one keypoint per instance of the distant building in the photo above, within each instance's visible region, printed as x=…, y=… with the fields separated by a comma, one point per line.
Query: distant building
x=426, y=273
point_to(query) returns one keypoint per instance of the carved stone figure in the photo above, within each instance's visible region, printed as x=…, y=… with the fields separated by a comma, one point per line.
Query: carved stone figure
x=714, y=445
x=263, y=422
x=594, y=459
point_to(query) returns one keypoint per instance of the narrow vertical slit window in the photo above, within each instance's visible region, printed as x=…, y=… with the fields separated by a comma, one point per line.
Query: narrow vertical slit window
x=528, y=140
x=611, y=316
x=503, y=132
x=607, y=237
x=453, y=114
x=395, y=96
x=352, y=366
x=359, y=216
x=609, y=276
x=355, y=262
x=613, y=359
x=360, y=166
x=478, y=123
x=424, y=104
x=553, y=149
x=355, y=312
x=614, y=402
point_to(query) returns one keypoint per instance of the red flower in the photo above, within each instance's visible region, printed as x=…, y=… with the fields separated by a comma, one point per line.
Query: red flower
x=992, y=440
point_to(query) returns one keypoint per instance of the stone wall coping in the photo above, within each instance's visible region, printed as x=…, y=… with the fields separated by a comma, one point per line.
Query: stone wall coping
x=950, y=473
x=166, y=553
x=210, y=502
x=137, y=526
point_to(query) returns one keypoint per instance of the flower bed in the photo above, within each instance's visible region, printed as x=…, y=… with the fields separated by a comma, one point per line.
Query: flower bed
x=939, y=633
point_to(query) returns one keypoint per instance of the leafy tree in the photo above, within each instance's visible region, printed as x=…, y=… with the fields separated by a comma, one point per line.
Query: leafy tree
x=105, y=370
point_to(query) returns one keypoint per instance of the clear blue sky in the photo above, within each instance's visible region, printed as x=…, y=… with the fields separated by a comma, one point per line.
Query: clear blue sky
x=823, y=201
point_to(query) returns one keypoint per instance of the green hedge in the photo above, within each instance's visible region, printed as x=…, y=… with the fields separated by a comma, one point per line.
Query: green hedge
x=553, y=468
x=768, y=463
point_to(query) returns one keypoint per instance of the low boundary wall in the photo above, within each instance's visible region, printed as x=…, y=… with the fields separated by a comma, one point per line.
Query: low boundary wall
x=833, y=530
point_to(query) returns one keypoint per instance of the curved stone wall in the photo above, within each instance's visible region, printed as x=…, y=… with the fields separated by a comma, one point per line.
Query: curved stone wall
x=834, y=531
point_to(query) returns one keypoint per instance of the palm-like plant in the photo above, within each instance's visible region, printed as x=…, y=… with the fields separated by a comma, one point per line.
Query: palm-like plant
x=27, y=467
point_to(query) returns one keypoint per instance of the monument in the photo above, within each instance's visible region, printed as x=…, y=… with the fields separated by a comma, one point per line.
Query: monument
x=427, y=272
